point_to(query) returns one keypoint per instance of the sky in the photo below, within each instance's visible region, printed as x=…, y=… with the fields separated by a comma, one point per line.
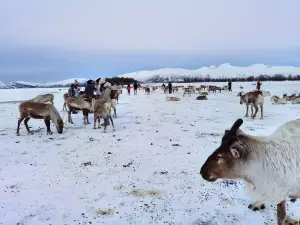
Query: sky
x=52, y=39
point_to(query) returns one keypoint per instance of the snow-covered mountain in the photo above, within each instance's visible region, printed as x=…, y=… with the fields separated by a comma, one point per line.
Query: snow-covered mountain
x=222, y=71
x=25, y=84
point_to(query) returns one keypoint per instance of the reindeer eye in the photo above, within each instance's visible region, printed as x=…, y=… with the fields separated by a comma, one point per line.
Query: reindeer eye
x=219, y=156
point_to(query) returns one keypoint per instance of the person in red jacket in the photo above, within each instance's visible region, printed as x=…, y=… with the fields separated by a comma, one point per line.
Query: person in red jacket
x=258, y=84
x=128, y=88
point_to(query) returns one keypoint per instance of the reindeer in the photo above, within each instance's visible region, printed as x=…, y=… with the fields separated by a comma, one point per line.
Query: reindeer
x=253, y=98
x=37, y=110
x=147, y=90
x=83, y=104
x=102, y=110
x=43, y=98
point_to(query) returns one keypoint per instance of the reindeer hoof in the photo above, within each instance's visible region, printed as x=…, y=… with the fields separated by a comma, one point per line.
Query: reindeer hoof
x=256, y=208
x=94, y=127
x=293, y=200
x=105, y=131
x=246, y=115
x=18, y=134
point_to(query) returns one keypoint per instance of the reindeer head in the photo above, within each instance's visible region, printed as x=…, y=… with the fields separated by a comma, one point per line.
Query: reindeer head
x=59, y=124
x=242, y=97
x=225, y=161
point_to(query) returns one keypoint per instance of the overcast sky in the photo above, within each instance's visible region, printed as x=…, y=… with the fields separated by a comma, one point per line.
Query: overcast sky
x=54, y=39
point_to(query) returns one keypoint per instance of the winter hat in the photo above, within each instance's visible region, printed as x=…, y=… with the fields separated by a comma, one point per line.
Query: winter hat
x=107, y=84
x=101, y=81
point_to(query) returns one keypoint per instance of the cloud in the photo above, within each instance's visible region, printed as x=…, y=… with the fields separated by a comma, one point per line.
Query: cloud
x=111, y=37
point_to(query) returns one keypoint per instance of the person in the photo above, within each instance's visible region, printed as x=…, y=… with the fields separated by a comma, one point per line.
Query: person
x=164, y=88
x=71, y=91
x=135, y=87
x=258, y=84
x=170, y=88
x=76, y=89
x=229, y=86
x=89, y=88
x=128, y=88
x=100, y=87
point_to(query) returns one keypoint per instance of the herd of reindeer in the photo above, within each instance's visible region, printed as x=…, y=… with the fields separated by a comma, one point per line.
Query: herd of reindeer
x=38, y=107
x=243, y=148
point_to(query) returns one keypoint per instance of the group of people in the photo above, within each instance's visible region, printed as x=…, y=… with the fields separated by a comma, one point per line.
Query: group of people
x=135, y=87
x=170, y=88
x=258, y=84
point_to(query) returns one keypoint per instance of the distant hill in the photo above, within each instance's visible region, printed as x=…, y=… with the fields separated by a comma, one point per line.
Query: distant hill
x=222, y=72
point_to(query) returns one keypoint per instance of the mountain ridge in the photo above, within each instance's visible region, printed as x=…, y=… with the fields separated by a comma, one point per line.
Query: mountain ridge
x=223, y=71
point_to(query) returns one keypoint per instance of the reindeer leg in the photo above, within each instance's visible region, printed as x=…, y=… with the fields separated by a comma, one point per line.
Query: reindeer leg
x=256, y=110
x=95, y=119
x=112, y=123
x=115, y=112
x=261, y=111
x=281, y=213
x=99, y=125
x=87, y=117
x=105, y=123
x=19, y=123
x=69, y=116
x=251, y=110
x=247, y=108
x=84, y=117
x=26, y=124
x=47, y=122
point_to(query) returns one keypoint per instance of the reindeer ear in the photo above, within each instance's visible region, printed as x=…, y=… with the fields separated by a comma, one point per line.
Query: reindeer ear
x=236, y=149
x=235, y=153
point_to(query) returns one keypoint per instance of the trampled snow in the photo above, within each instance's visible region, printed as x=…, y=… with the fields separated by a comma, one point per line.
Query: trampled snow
x=146, y=172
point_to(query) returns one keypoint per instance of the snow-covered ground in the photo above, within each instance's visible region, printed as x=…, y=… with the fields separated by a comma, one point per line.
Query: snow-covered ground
x=146, y=172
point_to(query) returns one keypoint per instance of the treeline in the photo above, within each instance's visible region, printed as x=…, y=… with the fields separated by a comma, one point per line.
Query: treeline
x=276, y=77
x=120, y=80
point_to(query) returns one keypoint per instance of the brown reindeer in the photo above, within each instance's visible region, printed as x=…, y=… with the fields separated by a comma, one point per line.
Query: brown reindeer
x=252, y=98
x=38, y=110
x=84, y=104
x=202, y=97
x=147, y=90
x=43, y=98
x=101, y=109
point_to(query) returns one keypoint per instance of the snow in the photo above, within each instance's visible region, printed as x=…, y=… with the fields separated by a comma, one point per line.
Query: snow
x=221, y=71
x=49, y=84
x=146, y=172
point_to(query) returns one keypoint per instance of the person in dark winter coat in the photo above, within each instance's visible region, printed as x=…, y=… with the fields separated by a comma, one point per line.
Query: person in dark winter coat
x=170, y=88
x=135, y=87
x=71, y=91
x=89, y=88
x=258, y=84
x=229, y=86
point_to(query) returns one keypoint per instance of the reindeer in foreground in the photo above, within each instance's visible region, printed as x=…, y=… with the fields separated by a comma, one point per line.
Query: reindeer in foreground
x=43, y=98
x=268, y=165
x=38, y=110
x=253, y=98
